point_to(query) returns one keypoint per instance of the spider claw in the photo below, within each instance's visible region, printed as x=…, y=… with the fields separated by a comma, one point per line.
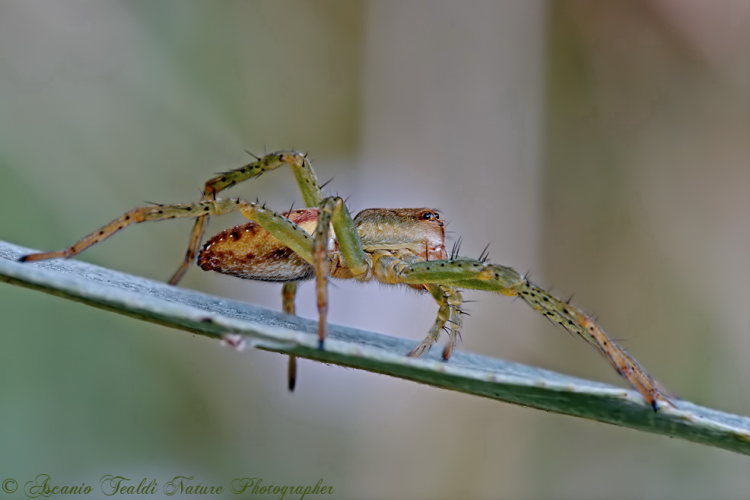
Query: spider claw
x=447, y=351
x=292, y=373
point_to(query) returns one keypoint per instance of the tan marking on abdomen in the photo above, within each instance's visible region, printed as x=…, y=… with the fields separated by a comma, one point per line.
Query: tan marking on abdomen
x=250, y=252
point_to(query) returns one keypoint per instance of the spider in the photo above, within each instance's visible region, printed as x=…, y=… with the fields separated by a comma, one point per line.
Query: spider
x=404, y=246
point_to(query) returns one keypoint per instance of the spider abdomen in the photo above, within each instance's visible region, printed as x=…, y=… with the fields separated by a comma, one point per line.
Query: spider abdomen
x=248, y=251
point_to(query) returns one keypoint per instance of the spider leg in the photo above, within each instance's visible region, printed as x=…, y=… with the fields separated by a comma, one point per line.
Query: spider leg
x=282, y=228
x=347, y=237
x=475, y=274
x=312, y=196
x=449, y=312
x=322, y=265
x=288, y=295
x=303, y=172
x=335, y=215
x=387, y=268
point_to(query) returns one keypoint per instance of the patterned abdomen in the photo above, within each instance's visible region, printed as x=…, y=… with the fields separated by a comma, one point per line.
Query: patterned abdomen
x=248, y=251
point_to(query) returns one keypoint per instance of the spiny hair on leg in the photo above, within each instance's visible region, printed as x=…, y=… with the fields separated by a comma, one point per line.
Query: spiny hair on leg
x=484, y=255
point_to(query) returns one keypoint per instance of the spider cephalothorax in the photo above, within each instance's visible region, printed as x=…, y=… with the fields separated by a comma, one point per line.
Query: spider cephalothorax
x=404, y=246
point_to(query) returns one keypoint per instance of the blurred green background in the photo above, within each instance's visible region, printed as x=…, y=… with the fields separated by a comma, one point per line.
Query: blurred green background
x=605, y=146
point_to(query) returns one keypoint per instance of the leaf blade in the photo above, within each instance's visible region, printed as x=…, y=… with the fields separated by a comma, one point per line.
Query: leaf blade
x=262, y=328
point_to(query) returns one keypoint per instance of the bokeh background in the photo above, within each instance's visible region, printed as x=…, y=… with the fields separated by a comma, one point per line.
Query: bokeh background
x=605, y=146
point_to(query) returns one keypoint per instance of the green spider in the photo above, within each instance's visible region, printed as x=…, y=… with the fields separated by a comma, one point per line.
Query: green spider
x=403, y=246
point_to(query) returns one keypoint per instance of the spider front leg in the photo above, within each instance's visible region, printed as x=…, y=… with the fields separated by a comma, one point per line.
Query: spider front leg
x=303, y=172
x=476, y=274
x=388, y=268
x=448, y=320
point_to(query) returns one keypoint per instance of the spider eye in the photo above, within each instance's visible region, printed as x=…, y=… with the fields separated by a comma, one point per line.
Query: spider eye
x=429, y=216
